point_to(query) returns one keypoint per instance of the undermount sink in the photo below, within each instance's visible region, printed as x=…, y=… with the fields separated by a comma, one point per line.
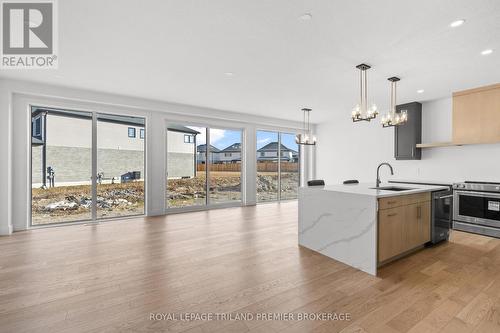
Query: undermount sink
x=392, y=188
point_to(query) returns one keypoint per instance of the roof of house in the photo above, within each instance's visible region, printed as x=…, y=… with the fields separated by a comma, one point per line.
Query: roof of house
x=125, y=120
x=273, y=146
x=182, y=129
x=235, y=147
x=203, y=148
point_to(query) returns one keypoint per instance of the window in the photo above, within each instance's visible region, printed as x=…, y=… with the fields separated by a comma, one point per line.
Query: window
x=37, y=126
x=278, y=174
x=62, y=175
x=141, y=133
x=201, y=176
x=131, y=132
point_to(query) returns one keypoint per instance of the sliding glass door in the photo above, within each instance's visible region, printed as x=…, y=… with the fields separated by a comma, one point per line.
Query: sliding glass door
x=267, y=166
x=186, y=181
x=225, y=166
x=120, y=165
x=289, y=167
x=278, y=169
x=61, y=166
x=85, y=166
x=203, y=166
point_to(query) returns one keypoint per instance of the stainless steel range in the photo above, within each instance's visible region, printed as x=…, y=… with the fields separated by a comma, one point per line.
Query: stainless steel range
x=477, y=207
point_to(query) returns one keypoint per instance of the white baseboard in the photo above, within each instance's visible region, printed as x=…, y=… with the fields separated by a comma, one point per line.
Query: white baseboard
x=5, y=230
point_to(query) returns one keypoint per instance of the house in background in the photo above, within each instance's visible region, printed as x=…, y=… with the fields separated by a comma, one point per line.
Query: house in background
x=231, y=154
x=64, y=158
x=213, y=154
x=270, y=153
x=60, y=156
x=181, y=148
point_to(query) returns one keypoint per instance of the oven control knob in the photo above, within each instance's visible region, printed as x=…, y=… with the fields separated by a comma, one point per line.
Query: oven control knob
x=497, y=188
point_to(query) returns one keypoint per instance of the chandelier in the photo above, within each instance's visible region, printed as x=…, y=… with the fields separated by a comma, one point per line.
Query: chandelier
x=306, y=138
x=361, y=111
x=393, y=118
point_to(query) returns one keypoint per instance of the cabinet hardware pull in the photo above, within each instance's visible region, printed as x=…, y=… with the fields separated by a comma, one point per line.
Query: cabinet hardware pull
x=393, y=214
x=419, y=212
x=391, y=202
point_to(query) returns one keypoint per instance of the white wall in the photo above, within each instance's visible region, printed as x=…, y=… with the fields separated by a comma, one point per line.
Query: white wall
x=5, y=160
x=16, y=96
x=348, y=150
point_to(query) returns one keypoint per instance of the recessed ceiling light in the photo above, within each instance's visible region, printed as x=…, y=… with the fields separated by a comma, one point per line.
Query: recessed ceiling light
x=457, y=23
x=487, y=51
x=305, y=17
x=228, y=73
x=420, y=91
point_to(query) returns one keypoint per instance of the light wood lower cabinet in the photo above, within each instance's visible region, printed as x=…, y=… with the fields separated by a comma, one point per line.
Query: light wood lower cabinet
x=403, y=228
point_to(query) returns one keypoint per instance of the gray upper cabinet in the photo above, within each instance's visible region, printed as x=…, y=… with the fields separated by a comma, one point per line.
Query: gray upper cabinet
x=408, y=135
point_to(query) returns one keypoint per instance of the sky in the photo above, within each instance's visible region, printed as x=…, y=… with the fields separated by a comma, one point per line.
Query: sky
x=222, y=138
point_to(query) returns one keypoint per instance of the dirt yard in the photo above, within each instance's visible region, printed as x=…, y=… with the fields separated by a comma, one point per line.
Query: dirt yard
x=73, y=203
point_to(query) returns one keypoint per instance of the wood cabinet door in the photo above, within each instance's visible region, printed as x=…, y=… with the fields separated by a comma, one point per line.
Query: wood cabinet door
x=425, y=222
x=476, y=115
x=390, y=232
x=411, y=227
x=417, y=227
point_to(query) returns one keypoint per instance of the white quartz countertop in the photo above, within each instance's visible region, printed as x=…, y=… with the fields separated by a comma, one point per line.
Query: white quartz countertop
x=368, y=189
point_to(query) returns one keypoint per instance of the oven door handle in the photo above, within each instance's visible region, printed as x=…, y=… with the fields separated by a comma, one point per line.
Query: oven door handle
x=478, y=194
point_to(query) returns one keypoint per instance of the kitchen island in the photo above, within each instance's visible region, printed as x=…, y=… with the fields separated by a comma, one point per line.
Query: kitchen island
x=363, y=226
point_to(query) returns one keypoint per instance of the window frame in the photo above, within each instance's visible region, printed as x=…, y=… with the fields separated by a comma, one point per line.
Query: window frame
x=134, y=131
x=142, y=133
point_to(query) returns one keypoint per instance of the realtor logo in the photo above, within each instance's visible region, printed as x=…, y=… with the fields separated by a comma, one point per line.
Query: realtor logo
x=28, y=35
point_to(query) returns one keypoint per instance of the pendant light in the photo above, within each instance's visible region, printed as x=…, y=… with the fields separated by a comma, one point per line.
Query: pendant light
x=361, y=111
x=393, y=118
x=306, y=138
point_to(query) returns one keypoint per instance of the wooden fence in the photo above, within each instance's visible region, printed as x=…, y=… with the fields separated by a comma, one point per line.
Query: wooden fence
x=261, y=167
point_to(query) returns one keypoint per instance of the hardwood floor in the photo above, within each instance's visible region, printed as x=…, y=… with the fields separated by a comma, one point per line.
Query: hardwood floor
x=111, y=277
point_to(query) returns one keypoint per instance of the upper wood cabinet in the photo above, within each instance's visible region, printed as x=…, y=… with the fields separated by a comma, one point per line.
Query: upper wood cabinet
x=476, y=115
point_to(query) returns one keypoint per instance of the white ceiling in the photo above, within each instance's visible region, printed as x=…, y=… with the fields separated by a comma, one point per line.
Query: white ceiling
x=178, y=51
